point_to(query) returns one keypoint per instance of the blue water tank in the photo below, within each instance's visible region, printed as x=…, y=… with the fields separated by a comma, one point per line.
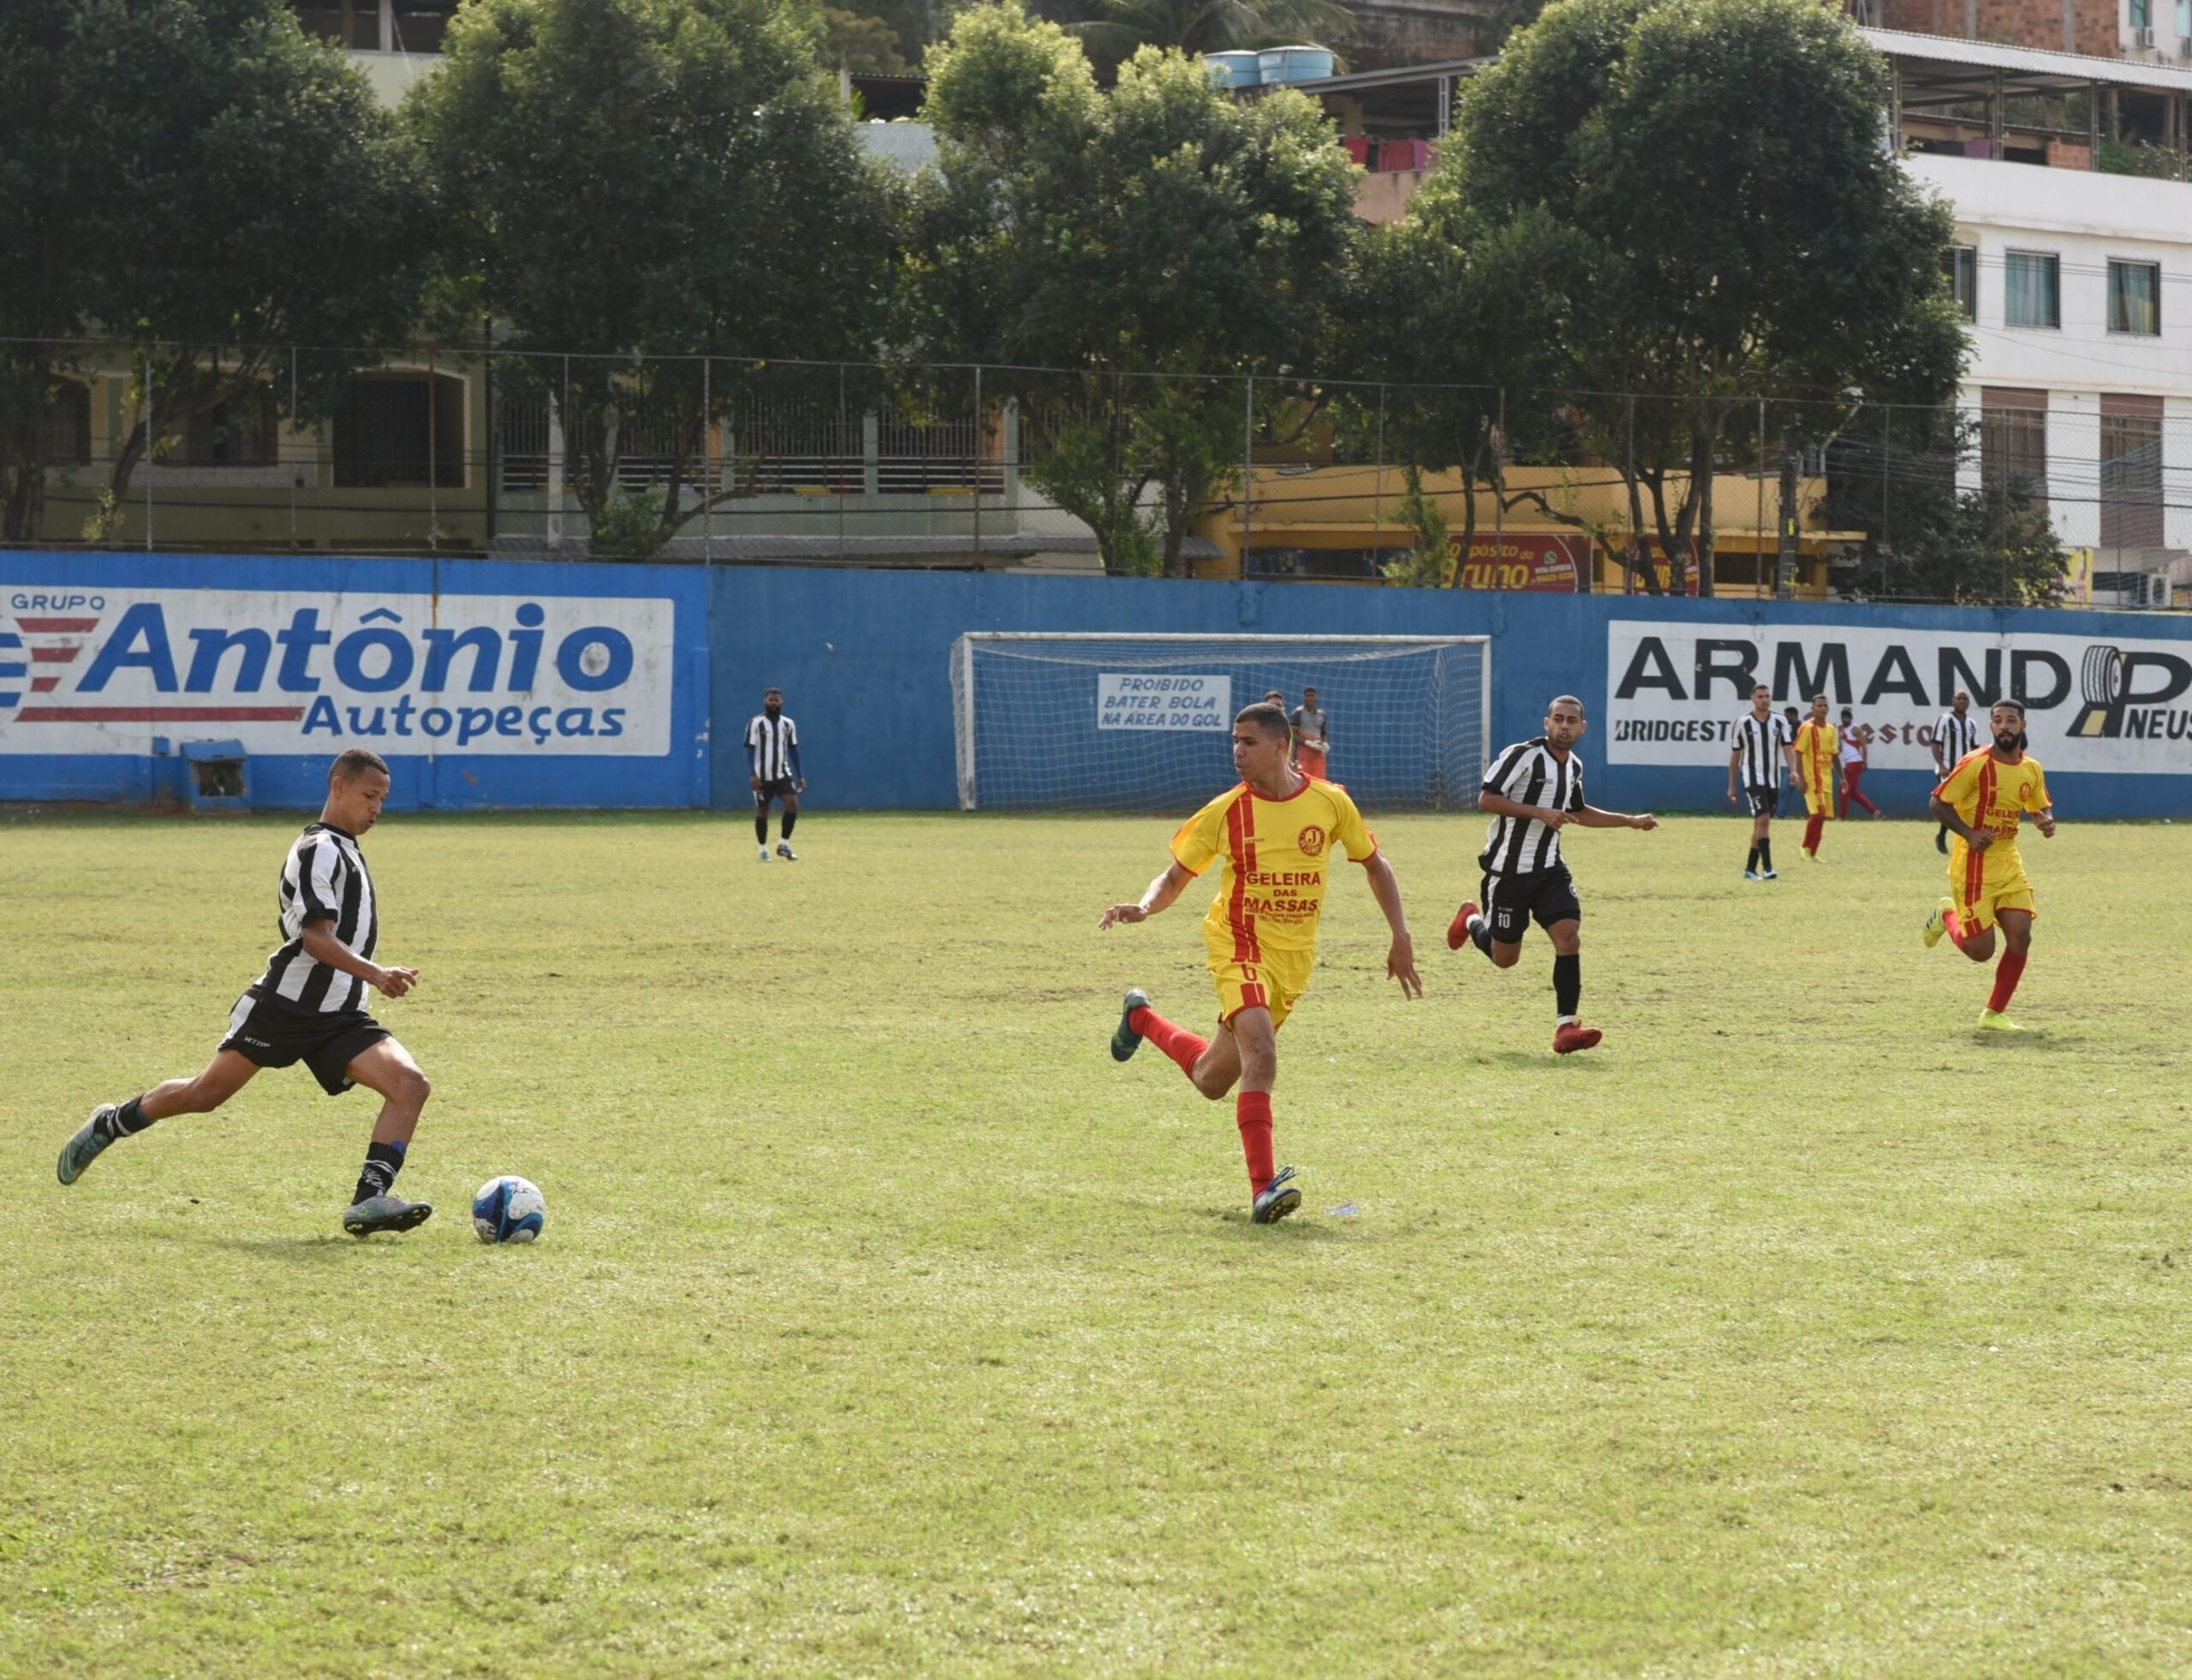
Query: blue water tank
x=1233, y=69
x=1294, y=64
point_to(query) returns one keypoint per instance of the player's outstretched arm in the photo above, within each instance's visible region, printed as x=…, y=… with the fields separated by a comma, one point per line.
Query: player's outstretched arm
x=1590, y=817
x=1499, y=804
x=1400, y=959
x=322, y=946
x=1978, y=839
x=1162, y=892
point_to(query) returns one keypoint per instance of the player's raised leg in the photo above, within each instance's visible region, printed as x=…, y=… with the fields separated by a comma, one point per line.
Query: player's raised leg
x=387, y=1068
x=228, y=1073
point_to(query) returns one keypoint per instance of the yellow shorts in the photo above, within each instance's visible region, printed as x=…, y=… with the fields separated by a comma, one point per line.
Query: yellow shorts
x=1275, y=982
x=1979, y=902
x=1818, y=802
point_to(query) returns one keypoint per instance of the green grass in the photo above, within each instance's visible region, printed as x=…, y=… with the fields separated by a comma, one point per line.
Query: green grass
x=882, y=1322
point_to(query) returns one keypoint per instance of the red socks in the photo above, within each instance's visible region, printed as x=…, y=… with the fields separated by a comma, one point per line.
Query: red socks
x=1813, y=830
x=1176, y=1042
x=1252, y=1113
x=2007, y=973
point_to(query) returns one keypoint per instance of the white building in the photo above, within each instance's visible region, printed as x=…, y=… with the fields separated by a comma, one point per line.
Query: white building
x=2078, y=284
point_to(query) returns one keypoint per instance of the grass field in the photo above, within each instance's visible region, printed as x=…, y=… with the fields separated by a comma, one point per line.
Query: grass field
x=882, y=1323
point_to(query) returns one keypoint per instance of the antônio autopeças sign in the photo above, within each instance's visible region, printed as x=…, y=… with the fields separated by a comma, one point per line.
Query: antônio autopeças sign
x=2092, y=703
x=103, y=670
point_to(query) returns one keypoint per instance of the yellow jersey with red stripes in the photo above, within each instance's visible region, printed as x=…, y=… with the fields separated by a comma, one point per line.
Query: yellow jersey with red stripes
x=1987, y=793
x=1277, y=853
x=1818, y=761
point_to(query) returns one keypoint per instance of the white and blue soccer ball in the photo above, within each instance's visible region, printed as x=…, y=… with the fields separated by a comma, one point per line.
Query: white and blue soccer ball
x=508, y=1209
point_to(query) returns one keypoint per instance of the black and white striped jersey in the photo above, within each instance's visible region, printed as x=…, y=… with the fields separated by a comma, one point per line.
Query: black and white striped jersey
x=323, y=877
x=1762, y=743
x=772, y=746
x=1529, y=773
x=1957, y=738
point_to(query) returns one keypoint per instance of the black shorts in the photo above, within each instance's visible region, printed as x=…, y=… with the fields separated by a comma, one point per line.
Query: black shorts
x=782, y=787
x=273, y=1035
x=1763, y=801
x=1509, y=900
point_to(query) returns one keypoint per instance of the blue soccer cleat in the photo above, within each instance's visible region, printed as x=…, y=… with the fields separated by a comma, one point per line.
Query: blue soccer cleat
x=81, y=1150
x=1125, y=1040
x=1280, y=1198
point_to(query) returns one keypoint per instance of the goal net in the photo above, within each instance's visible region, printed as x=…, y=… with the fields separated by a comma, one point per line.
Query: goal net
x=1066, y=722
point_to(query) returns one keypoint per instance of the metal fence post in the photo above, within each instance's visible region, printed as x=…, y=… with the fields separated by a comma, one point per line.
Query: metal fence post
x=977, y=463
x=1378, y=491
x=1248, y=472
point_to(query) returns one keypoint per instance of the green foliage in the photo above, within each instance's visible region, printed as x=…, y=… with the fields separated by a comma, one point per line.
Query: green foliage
x=1924, y=539
x=1431, y=554
x=630, y=525
x=2143, y=157
x=637, y=184
x=198, y=180
x=1157, y=228
x=860, y=43
x=1728, y=223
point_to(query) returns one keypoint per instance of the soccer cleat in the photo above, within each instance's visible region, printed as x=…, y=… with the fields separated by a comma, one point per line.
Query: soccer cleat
x=1277, y=1199
x=1769, y=874
x=765, y=854
x=81, y=1150
x=1937, y=923
x=1753, y=875
x=1125, y=1040
x=785, y=852
x=1990, y=1021
x=1573, y=1036
x=384, y=1212
x=1457, y=930
x=1812, y=855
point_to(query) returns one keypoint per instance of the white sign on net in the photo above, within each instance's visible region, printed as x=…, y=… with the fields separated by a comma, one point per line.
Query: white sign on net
x=1147, y=701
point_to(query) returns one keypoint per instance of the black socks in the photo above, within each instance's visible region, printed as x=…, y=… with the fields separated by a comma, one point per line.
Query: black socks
x=761, y=826
x=1567, y=984
x=1481, y=934
x=1766, y=852
x=383, y=1162
x=1751, y=864
x=790, y=817
x=126, y=1121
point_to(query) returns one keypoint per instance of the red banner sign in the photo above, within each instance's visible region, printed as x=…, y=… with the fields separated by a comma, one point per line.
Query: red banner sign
x=1526, y=560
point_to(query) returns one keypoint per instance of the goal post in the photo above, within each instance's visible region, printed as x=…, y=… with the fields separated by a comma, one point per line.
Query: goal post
x=1092, y=721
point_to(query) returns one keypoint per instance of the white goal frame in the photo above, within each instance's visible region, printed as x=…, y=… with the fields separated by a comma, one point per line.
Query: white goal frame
x=962, y=674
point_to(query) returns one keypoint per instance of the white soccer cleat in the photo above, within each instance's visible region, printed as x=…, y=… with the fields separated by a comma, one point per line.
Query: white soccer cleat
x=765, y=854
x=785, y=852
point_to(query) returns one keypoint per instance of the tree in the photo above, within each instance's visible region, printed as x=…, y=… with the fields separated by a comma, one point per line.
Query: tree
x=1139, y=250
x=1892, y=474
x=206, y=186
x=1740, y=229
x=631, y=188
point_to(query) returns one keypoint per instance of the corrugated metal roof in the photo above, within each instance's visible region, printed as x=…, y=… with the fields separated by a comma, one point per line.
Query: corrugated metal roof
x=2030, y=61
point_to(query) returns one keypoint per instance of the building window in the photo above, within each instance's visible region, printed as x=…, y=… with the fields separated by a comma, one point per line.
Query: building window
x=2143, y=16
x=2033, y=290
x=354, y=24
x=240, y=432
x=1961, y=263
x=389, y=426
x=419, y=25
x=2134, y=298
x=2013, y=444
x=2130, y=471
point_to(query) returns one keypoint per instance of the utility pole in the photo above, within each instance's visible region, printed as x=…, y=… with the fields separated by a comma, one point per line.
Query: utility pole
x=1785, y=586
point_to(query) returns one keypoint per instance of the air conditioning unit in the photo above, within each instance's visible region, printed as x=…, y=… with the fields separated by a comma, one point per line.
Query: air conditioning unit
x=2155, y=593
x=2146, y=38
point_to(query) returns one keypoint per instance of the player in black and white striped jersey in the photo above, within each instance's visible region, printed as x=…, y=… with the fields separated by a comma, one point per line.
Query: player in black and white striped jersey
x=1759, y=745
x=309, y=1006
x=773, y=771
x=1533, y=790
x=1956, y=738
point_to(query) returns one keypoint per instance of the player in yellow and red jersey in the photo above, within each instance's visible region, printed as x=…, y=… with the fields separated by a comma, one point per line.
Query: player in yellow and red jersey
x=1819, y=771
x=1277, y=832
x=1983, y=800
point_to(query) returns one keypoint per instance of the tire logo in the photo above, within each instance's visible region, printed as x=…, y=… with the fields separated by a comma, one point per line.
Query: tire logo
x=2102, y=684
x=1310, y=840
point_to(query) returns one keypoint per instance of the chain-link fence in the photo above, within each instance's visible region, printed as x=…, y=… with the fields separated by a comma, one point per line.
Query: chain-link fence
x=2012, y=496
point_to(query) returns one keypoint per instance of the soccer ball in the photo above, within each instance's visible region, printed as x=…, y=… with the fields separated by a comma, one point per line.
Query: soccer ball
x=508, y=1209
